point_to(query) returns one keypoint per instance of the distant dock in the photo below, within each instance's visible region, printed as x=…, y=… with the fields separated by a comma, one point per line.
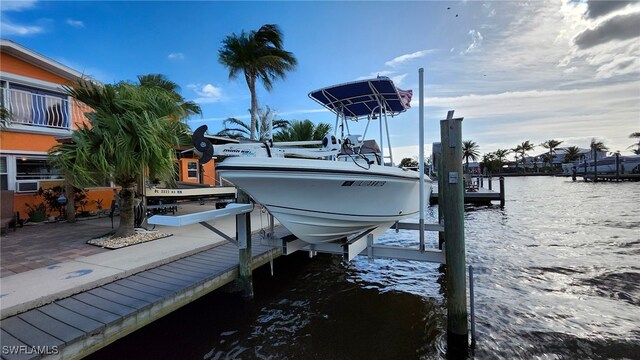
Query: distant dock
x=476, y=193
x=612, y=177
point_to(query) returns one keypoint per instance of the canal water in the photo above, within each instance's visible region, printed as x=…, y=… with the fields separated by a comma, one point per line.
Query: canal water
x=557, y=275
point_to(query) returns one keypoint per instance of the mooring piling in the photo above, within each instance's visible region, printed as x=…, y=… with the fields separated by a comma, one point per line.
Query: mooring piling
x=502, y=191
x=453, y=210
x=243, y=236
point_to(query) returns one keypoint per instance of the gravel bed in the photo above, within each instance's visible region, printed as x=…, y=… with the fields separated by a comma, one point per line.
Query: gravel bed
x=141, y=236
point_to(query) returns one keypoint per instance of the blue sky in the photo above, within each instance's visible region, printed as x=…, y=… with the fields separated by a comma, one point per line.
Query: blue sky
x=516, y=71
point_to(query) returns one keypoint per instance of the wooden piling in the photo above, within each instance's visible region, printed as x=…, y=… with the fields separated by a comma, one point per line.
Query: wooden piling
x=453, y=206
x=501, y=191
x=243, y=236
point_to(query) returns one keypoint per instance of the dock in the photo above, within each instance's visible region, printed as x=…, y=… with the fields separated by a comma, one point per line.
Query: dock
x=94, y=305
x=477, y=194
x=612, y=177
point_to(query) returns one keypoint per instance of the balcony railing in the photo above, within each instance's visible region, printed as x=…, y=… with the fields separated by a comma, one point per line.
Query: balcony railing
x=28, y=108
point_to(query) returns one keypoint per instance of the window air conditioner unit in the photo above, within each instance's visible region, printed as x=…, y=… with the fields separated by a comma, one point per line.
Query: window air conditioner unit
x=23, y=186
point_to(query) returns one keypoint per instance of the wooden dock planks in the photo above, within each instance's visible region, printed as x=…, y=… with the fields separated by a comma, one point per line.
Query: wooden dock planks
x=85, y=322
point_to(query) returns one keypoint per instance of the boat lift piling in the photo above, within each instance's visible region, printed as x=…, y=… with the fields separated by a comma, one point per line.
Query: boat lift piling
x=243, y=236
x=453, y=213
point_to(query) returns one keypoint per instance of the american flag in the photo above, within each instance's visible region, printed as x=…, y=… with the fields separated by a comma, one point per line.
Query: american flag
x=405, y=97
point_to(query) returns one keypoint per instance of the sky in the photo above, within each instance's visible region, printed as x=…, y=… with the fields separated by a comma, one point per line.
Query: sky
x=515, y=70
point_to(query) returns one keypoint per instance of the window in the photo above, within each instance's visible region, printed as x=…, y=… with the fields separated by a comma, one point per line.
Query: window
x=35, y=169
x=192, y=170
x=4, y=176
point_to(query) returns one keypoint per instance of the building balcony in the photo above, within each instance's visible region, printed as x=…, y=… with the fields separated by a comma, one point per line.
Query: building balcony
x=37, y=112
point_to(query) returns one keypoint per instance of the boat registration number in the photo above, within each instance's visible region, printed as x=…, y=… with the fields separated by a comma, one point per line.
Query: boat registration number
x=363, y=183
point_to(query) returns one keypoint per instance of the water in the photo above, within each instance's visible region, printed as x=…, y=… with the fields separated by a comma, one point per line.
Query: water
x=557, y=275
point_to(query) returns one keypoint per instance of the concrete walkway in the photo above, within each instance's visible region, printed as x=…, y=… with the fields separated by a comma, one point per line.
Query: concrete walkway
x=29, y=289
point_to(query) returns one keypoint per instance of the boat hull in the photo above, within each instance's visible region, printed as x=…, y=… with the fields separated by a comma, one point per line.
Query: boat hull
x=321, y=201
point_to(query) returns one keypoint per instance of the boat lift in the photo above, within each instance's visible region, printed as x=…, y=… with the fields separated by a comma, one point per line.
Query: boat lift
x=363, y=243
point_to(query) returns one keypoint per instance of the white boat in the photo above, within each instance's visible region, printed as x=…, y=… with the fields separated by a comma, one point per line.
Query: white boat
x=322, y=200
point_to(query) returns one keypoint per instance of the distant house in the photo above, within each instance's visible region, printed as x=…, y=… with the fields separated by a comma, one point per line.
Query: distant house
x=31, y=89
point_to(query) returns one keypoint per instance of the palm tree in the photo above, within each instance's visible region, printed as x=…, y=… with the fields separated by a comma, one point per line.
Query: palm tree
x=132, y=129
x=303, y=130
x=635, y=135
x=470, y=150
x=501, y=155
x=551, y=145
x=238, y=129
x=524, y=148
x=173, y=89
x=516, y=151
x=572, y=153
x=5, y=117
x=260, y=56
x=595, y=147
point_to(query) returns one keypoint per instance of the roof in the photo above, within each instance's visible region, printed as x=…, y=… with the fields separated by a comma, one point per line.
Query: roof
x=32, y=57
x=361, y=98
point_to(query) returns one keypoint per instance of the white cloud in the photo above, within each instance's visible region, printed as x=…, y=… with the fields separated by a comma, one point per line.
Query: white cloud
x=17, y=5
x=207, y=93
x=406, y=57
x=476, y=40
x=75, y=23
x=7, y=28
x=176, y=56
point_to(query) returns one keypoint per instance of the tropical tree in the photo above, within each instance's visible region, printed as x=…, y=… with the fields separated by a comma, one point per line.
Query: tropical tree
x=635, y=135
x=525, y=147
x=303, y=130
x=132, y=129
x=547, y=159
x=408, y=162
x=173, y=89
x=551, y=145
x=491, y=162
x=516, y=151
x=5, y=117
x=501, y=155
x=260, y=56
x=238, y=129
x=595, y=147
x=470, y=150
x=572, y=153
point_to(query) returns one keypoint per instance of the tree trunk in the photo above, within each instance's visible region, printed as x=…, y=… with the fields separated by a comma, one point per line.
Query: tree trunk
x=251, y=82
x=70, y=207
x=126, y=228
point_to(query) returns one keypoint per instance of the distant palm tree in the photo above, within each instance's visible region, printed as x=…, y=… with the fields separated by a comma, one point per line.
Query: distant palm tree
x=551, y=145
x=501, y=155
x=470, y=150
x=303, y=130
x=572, y=153
x=260, y=56
x=238, y=129
x=524, y=148
x=635, y=135
x=547, y=159
x=595, y=147
x=516, y=151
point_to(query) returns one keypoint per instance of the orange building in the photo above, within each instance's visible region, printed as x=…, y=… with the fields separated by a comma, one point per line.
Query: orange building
x=31, y=89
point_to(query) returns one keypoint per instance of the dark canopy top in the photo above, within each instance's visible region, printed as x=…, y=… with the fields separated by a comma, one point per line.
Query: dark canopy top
x=361, y=98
